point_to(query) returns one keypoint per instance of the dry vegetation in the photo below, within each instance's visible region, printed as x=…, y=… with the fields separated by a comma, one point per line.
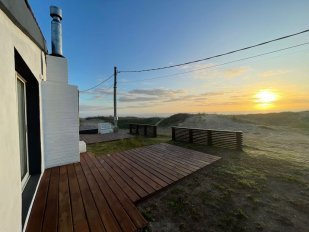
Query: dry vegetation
x=263, y=188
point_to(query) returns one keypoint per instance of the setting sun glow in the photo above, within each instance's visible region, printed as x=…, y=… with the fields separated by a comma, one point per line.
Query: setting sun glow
x=265, y=98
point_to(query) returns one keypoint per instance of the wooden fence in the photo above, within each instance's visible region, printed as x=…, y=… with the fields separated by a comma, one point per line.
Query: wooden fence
x=217, y=138
x=144, y=130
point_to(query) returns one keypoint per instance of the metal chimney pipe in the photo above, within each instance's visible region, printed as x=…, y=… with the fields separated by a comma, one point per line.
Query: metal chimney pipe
x=56, y=30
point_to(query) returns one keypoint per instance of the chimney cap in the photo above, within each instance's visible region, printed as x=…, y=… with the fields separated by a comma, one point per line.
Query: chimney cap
x=55, y=11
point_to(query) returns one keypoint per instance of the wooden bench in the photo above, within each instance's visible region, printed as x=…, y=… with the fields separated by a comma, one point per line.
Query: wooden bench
x=143, y=130
x=217, y=138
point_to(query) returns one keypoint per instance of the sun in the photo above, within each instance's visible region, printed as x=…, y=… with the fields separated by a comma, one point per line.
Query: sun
x=265, y=98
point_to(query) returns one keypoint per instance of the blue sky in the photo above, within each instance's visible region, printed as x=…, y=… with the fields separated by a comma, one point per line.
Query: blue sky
x=145, y=34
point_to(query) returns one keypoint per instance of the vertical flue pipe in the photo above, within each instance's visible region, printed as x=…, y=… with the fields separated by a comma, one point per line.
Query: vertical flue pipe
x=56, y=30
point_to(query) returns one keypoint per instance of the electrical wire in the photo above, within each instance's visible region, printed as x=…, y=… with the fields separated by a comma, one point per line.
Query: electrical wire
x=218, y=65
x=108, y=88
x=111, y=86
x=86, y=90
x=216, y=56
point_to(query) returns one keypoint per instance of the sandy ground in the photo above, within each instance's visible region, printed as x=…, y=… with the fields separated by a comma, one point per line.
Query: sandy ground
x=290, y=143
x=263, y=188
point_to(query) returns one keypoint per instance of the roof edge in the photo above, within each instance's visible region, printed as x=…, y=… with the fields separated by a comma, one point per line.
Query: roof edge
x=43, y=46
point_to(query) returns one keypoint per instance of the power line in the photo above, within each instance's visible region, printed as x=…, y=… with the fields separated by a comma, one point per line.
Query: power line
x=86, y=90
x=216, y=56
x=217, y=65
x=111, y=86
x=107, y=88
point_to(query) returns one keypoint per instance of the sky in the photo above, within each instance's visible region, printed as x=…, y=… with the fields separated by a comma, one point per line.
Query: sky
x=141, y=34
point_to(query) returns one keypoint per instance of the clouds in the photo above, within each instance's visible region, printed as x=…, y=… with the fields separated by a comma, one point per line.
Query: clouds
x=138, y=94
x=157, y=95
x=193, y=98
x=148, y=100
x=205, y=89
x=271, y=73
x=94, y=110
x=150, y=95
x=157, y=92
x=235, y=72
x=203, y=72
x=211, y=71
x=136, y=98
x=99, y=93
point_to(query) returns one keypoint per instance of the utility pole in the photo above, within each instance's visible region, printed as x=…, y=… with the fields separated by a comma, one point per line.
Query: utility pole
x=115, y=100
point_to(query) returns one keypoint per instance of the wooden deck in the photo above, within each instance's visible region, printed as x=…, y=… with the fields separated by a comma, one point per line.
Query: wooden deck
x=98, y=138
x=98, y=194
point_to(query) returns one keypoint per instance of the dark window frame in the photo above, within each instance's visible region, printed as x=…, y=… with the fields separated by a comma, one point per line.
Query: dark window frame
x=34, y=132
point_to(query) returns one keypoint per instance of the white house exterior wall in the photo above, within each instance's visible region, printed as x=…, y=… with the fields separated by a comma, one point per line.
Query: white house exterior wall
x=10, y=192
x=60, y=115
x=57, y=69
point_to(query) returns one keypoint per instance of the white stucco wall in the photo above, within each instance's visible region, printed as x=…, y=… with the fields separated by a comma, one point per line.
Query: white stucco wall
x=60, y=115
x=57, y=70
x=10, y=183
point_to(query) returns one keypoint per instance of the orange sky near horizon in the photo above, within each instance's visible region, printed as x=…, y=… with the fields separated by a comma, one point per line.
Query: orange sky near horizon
x=283, y=93
x=233, y=89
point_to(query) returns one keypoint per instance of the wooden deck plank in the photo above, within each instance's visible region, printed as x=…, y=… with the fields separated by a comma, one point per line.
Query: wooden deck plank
x=80, y=222
x=98, y=194
x=133, y=176
x=38, y=209
x=94, y=219
x=127, y=204
x=51, y=212
x=126, y=187
x=149, y=168
x=181, y=159
x=154, y=177
x=136, y=187
x=137, y=172
x=147, y=156
x=109, y=221
x=149, y=153
x=157, y=165
x=65, y=215
x=195, y=157
x=191, y=158
x=167, y=162
x=186, y=167
x=115, y=205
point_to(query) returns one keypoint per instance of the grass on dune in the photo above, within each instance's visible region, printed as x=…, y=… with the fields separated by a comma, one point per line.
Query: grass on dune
x=125, y=144
x=263, y=188
x=244, y=191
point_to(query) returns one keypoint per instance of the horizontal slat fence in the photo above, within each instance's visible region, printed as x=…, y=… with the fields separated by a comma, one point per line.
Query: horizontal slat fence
x=217, y=138
x=143, y=130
